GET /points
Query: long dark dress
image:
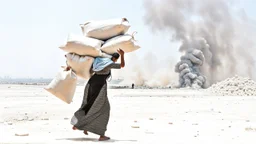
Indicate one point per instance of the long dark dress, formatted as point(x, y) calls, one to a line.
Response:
point(93, 115)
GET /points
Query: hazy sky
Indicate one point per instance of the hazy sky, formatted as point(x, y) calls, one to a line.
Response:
point(32, 30)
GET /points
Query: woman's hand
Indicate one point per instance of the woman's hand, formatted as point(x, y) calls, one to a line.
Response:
point(67, 68)
point(120, 51)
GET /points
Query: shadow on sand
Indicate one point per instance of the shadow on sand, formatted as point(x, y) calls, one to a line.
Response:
point(94, 140)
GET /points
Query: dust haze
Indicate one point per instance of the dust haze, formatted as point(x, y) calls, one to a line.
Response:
point(216, 39)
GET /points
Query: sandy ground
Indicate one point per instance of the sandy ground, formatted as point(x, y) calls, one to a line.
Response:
point(137, 116)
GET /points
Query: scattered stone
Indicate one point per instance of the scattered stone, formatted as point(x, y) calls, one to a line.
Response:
point(151, 119)
point(25, 134)
point(170, 123)
point(9, 123)
point(20, 119)
point(250, 129)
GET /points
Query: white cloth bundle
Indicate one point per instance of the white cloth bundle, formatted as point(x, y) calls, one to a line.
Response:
point(63, 86)
point(82, 45)
point(105, 29)
point(125, 42)
point(81, 65)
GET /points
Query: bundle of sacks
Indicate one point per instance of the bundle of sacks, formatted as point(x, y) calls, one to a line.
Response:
point(99, 39)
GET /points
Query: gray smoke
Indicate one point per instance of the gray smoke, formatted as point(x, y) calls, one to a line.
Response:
point(189, 69)
point(216, 38)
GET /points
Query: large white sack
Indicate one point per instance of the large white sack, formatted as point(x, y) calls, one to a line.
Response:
point(105, 55)
point(81, 65)
point(63, 86)
point(125, 42)
point(105, 29)
point(82, 45)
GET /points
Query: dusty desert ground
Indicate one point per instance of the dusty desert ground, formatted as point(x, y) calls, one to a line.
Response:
point(137, 116)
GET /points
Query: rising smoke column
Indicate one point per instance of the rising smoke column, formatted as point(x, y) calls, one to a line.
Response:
point(189, 69)
point(210, 28)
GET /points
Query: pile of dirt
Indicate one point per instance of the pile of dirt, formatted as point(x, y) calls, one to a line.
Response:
point(235, 86)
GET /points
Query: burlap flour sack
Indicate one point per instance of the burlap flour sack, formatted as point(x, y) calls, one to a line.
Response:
point(105, 29)
point(125, 42)
point(82, 45)
point(63, 86)
point(81, 65)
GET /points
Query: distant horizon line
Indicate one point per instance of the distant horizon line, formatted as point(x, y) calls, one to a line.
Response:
point(34, 78)
point(9, 77)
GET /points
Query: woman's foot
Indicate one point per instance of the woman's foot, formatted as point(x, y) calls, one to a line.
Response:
point(74, 128)
point(85, 132)
point(103, 138)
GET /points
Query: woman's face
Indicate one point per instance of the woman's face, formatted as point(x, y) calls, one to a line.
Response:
point(114, 59)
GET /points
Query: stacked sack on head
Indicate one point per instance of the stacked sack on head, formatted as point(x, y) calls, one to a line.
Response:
point(100, 39)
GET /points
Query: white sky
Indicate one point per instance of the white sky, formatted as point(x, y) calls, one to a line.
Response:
point(32, 30)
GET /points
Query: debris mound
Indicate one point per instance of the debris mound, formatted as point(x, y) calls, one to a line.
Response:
point(235, 86)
